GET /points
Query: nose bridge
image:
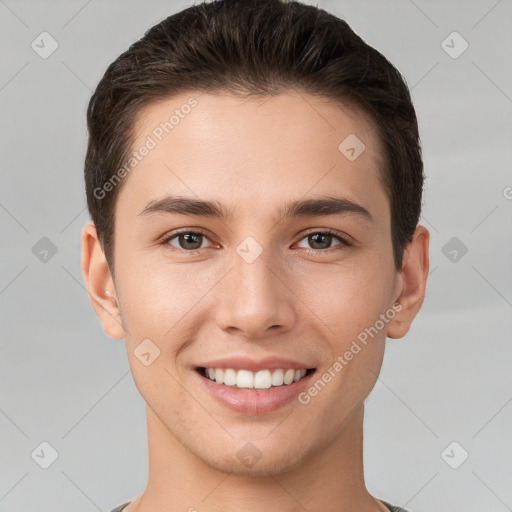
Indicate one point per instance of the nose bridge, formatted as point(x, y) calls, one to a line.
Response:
point(253, 298)
point(253, 275)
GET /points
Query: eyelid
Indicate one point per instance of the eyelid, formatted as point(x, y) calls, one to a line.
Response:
point(347, 239)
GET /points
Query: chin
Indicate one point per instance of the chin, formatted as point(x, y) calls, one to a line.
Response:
point(249, 461)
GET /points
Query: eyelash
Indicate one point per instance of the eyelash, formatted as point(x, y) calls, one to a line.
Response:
point(344, 242)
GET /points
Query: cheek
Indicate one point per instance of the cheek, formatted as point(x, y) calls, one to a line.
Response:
point(347, 298)
point(154, 303)
point(161, 302)
point(350, 303)
point(143, 297)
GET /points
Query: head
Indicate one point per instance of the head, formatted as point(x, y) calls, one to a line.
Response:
point(262, 112)
point(252, 48)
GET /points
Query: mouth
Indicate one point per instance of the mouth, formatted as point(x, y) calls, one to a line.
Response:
point(254, 393)
point(261, 380)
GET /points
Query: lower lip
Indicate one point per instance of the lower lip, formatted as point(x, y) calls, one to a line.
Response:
point(252, 401)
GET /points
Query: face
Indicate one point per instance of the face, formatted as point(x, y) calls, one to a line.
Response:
point(261, 282)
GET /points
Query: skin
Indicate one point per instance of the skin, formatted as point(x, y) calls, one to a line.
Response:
point(253, 155)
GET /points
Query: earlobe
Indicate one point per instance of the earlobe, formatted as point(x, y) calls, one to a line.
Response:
point(412, 280)
point(100, 286)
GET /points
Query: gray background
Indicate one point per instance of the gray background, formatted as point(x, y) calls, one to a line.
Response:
point(63, 381)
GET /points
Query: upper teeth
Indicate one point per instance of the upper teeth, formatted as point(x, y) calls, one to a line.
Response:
point(262, 379)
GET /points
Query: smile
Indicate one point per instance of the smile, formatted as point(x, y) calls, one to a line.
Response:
point(247, 392)
point(246, 379)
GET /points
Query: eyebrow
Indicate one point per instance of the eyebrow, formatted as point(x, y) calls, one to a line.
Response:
point(314, 207)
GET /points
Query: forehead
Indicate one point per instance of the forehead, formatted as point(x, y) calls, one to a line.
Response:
point(247, 151)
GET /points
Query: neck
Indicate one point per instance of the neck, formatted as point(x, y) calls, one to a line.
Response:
point(330, 479)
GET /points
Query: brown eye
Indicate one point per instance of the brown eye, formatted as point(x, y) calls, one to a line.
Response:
point(322, 241)
point(186, 240)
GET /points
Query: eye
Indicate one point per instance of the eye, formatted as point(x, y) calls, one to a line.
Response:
point(322, 240)
point(189, 241)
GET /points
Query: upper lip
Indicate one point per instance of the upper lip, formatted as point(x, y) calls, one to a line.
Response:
point(248, 363)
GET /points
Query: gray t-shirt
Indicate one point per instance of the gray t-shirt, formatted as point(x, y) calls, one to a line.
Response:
point(392, 508)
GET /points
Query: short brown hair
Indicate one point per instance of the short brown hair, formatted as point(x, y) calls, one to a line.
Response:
point(254, 47)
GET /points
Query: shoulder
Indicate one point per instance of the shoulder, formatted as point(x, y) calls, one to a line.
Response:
point(392, 508)
point(120, 507)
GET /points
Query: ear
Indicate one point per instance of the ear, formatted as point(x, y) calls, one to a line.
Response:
point(411, 283)
point(100, 285)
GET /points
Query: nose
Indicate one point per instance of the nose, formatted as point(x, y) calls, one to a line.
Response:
point(255, 300)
